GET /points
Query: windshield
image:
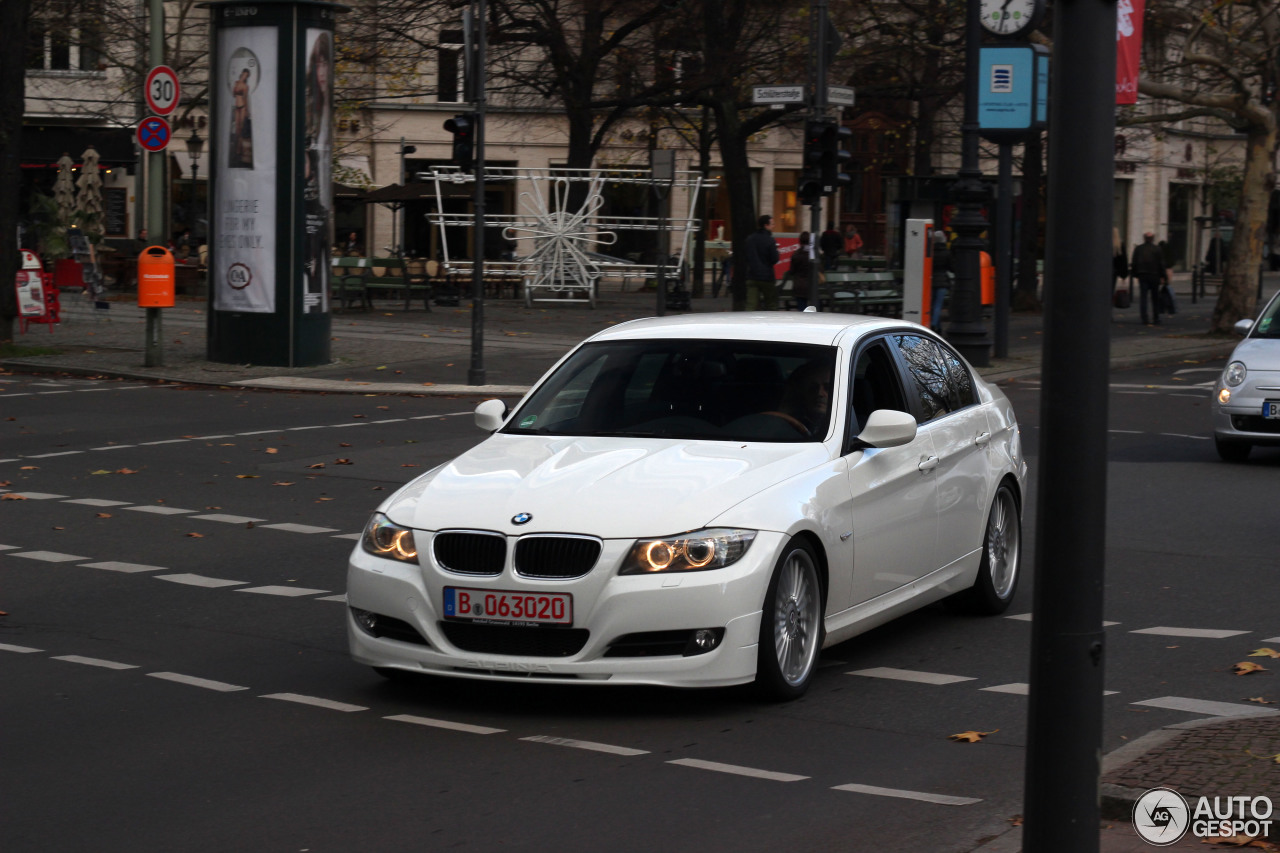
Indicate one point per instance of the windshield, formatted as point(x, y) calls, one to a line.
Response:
point(1268, 325)
point(689, 389)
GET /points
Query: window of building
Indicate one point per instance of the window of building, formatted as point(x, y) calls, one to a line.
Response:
point(66, 36)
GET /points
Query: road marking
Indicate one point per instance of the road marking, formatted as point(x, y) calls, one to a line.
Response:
point(285, 591)
point(95, 502)
point(115, 447)
point(1026, 617)
point(229, 519)
point(259, 432)
point(51, 455)
point(164, 441)
point(342, 426)
point(389, 421)
point(342, 598)
point(1204, 633)
point(351, 536)
point(586, 744)
point(160, 510)
point(113, 566)
point(199, 580)
point(1272, 640)
point(940, 799)
point(105, 664)
point(298, 528)
point(314, 701)
point(738, 771)
point(9, 547)
point(22, 650)
point(37, 496)
point(1020, 688)
point(220, 686)
point(209, 437)
point(910, 675)
point(444, 724)
point(49, 556)
point(1204, 706)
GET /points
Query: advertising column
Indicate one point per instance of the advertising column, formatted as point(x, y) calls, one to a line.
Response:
point(271, 104)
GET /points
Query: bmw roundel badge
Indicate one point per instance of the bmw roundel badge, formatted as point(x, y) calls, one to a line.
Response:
point(521, 518)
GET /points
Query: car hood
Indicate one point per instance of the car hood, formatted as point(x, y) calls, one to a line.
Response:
point(606, 487)
point(1258, 353)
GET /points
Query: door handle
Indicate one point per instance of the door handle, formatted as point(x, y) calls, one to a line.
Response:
point(982, 439)
point(927, 464)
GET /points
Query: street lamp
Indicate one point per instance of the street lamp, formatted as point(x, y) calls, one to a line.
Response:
point(195, 147)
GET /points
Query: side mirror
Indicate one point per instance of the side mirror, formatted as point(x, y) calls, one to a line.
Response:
point(887, 428)
point(490, 414)
point(1242, 327)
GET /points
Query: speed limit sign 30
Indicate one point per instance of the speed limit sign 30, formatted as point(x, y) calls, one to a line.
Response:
point(162, 90)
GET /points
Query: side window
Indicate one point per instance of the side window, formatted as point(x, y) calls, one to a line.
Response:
point(942, 382)
point(875, 385)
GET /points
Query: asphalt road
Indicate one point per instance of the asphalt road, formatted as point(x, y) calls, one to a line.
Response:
point(177, 678)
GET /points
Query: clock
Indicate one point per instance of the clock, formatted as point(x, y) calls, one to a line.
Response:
point(1010, 17)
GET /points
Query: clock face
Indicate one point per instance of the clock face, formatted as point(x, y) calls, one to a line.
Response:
point(1008, 17)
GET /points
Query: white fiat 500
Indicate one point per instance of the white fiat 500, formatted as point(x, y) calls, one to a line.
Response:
point(700, 501)
point(1246, 401)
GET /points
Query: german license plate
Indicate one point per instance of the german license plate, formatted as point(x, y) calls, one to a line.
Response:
point(1271, 410)
point(504, 607)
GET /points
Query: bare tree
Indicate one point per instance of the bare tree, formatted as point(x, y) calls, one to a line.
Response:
point(1221, 61)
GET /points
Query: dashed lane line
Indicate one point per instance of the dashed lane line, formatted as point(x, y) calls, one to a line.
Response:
point(315, 701)
point(911, 675)
point(228, 519)
point(297, 528)
point(51, 455)
point(21, 650)
point(128, 568)
point(105, 664)
point(95, 502)
point(588, 745)
point(443, 724)
point(283, 591)
point(737, 770)
point(1020, 688)
point(199, 580)
point(49, 557)
point(207, 684)
point(922, 796)
point(37, 496)
point(1207, 707)
point(160, 510)
point(1205, 633)
point(1026, 617)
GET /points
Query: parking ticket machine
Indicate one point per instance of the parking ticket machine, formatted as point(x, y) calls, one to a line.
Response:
point(917, 272)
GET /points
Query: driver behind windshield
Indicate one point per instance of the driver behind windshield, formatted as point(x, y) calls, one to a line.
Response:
point(806, 399)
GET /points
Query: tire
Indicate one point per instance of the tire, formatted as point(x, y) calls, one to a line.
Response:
point(791, 627)
point(1232, 451)
point(998, 572)
point(399, 676)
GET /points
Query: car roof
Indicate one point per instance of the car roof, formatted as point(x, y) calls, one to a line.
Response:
point(798, 327)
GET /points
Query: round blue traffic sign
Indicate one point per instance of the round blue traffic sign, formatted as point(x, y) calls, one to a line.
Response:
point(154, 133)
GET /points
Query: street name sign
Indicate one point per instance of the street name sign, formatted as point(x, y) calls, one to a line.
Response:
point(840, 96)
point(777, 94)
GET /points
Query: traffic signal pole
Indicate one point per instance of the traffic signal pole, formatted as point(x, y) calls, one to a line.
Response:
point(153, 352)
point(476, 372)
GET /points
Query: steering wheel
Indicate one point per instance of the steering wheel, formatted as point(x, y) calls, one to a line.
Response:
point(801, 428)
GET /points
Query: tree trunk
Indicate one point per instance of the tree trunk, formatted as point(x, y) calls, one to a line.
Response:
point(737, 178)
point(14, 15)
point(1238, 297)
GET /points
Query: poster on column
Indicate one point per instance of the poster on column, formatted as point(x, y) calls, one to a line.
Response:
point(244, 276)
point(318, 185)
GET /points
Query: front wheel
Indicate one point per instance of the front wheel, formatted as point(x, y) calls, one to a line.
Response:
point(997, 578)
point(791, 627)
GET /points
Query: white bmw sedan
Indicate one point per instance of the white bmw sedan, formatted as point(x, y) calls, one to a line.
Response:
point(699, 501)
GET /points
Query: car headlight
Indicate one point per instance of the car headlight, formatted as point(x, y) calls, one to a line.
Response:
point(1234, 374)
point(382, 538)
point(688, 552)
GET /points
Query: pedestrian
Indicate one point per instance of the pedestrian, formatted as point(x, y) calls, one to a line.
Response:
point(802, 271)
point(140, 245)
point(1147, 265)
point(1119, 264)
point(832, 244)
point(761, 252)
point(352, 248)
point(940, 284)
point(852, 240)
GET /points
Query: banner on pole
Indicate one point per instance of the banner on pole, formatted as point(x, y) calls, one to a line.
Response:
point(1128, 49)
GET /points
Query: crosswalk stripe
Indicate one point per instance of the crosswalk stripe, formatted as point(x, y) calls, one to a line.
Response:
point(1204, 633)
point(911, 675)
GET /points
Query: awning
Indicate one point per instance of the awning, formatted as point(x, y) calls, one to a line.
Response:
point(43, 144)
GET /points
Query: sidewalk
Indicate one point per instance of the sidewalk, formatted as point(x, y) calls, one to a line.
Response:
point(391, 351)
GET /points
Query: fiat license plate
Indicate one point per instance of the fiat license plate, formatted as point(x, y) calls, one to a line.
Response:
point(505, 607)
point(1271, 410)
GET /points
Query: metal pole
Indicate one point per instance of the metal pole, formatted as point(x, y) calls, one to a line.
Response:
point(476, 372)
point(966, 330)
point(1064, 725)
point(157, 230)
point(818, 48)
point(1004, 249)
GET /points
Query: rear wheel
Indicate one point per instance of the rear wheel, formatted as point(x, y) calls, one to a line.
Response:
point(997, 579)
point(791, 625)
point(1232, 451)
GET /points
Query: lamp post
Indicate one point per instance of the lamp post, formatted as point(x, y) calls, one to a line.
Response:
point(400, 227)
point(195, 147)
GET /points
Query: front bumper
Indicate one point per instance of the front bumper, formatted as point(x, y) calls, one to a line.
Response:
point(1240, 420)
point(606, 606)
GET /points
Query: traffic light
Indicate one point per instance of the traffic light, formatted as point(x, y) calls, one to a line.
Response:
point(825, 155)
point(463, 128)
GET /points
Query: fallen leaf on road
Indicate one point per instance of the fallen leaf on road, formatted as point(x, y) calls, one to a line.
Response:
point(1264, 653)
point(317, 465)
point(99, 471)
point(247, 476)
point(344, 444)
point(196, 535)
point(12, 498)
point(971, 737)
point(343, 462)
point(59, 528)
point(282, 483)
point(103, 515)
point(1260, 700)
point(318, 500)
point(272, 450)
point(383, 366)
point(357, 416)
point(409, 465)
point(126, 471)
point(29, 468)
point(1246, 667)
point(248, 525)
